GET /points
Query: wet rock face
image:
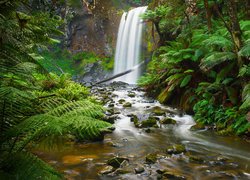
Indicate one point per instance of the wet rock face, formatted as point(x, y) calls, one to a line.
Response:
point(93, 28)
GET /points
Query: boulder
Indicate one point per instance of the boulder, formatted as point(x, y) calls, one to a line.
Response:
point(168, 121)
point(121, 101)
point(150, 122)
point(151, 158)
point(131, 94)
point(133, 118)
point(158, 111)
point(198, 126)
point(127, 104)
point(176, 149)
point(107, 170)
point(140, 169)
point(110, 119)
point(116, 162)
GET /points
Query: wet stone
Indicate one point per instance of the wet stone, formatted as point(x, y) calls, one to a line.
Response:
point(116, 162)
point(196, 159)
point(140, 169)
point(148, 130)
point(168, 121)
point(158, 111)
point(121, 101)
point(127, 104)
point(171, 175)
point(176, 149)
point(151, 158)
point(131, 94)
point(133, 118)
point(198, 126)
point(111, 105)
point(110, 119)
point(106, 170)
point(150, 122)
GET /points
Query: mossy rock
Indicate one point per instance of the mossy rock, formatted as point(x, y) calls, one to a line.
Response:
point(116, 161)
point(195, 159)
point(198, 126)
point(226, 132)
point(171, 175)
point(110, 119)
point(158, 111)
point(111, 105)
point(176, 149)
point(111, 111)
point(131, 94)
point(150, 122)
point(121, 101)
point(133, 118)
point(151, 158)
point(106, 170)
point(168, 121)
point(136, 123)
point(123, 171)
point(127, 104)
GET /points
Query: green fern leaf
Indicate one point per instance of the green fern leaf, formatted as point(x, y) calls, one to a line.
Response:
point(245, 50)
point(185, 81)
point(215, 59)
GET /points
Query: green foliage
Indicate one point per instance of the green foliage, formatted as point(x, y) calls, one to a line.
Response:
point(200, 65)
point(246, 97)
point(37, 106)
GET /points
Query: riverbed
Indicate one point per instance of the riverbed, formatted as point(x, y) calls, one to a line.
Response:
point(206, 156)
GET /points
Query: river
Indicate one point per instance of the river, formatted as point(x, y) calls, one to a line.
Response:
point(207, 156)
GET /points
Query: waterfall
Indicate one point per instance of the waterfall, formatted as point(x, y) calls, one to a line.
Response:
point(128, 45)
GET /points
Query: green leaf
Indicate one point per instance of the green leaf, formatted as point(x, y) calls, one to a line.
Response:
point(215, 59)
point(186, 80)
point(245, 50)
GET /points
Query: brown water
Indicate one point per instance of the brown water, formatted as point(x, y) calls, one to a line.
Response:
point(222, 157)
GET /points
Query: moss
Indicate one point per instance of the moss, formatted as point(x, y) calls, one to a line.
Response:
point(127, 104)
point(148, 123)
point(176, 149)
point(121, 101)
point(198, 126)
point(226, 132)
point(151, 158)
point(158, 111)
point(168, 121)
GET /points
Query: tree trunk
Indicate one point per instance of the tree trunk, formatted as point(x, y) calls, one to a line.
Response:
point(235, 29)
point(208, 15)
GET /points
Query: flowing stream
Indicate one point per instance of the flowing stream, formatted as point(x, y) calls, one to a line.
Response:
point(208, 155)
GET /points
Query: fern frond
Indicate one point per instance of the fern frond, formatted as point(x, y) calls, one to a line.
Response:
point(245, 50)
point(246, 97)
point(83, 107)
point(215, 59)
point(26, 166)
point(218, 40)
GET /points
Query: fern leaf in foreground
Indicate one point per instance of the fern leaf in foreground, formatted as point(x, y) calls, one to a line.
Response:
point(26, 166)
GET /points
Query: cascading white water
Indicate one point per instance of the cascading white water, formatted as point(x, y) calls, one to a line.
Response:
point(128, 45)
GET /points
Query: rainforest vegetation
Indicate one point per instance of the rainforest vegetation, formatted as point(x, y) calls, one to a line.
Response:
point(201, 65)
point(203, 56)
